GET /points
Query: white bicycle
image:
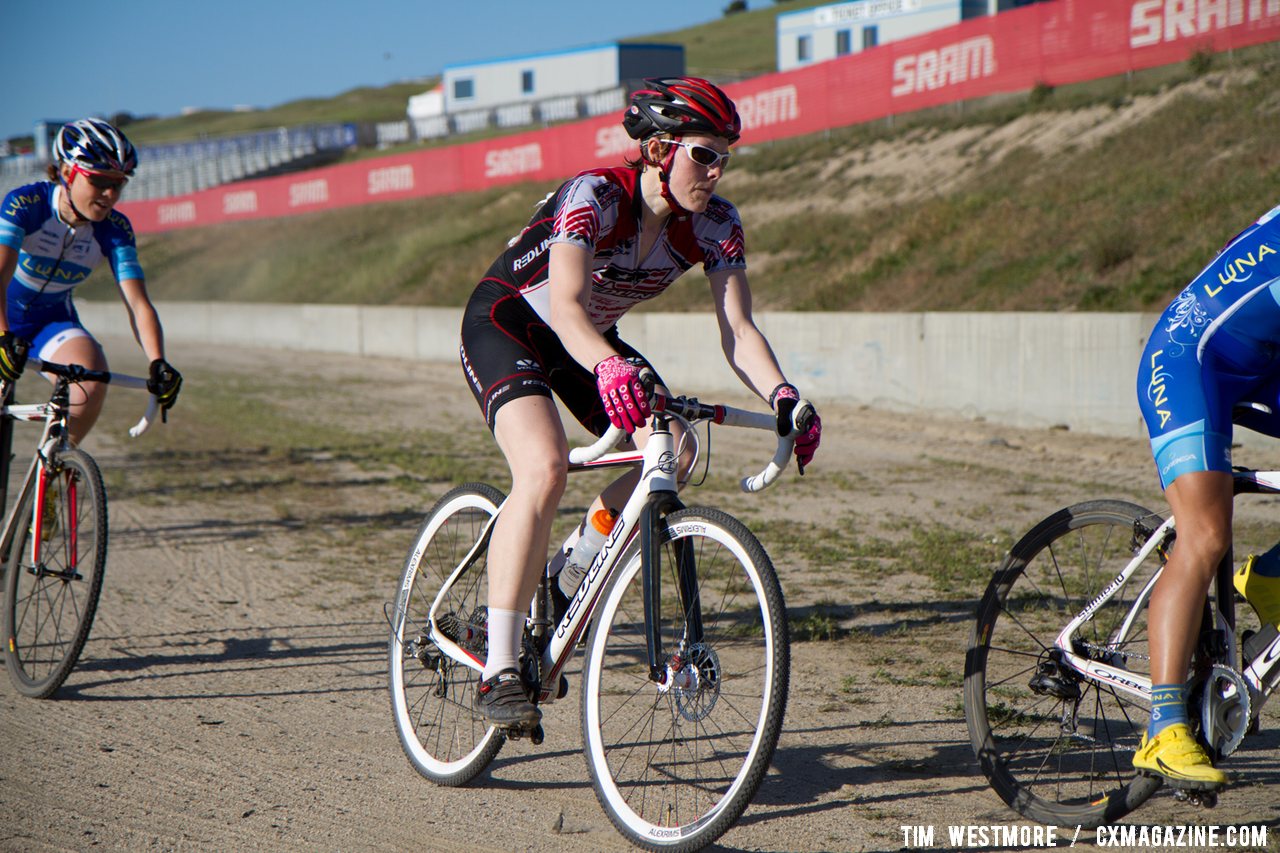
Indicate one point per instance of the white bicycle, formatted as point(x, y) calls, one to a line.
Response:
point(687, 652)
point(1058, 673)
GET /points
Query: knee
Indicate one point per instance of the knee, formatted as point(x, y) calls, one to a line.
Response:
point(543, 478)
point(1204, 549)
point(88, 395)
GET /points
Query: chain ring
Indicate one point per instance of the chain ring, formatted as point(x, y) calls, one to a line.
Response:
point(1225, 712)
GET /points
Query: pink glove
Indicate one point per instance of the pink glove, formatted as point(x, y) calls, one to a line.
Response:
point(624, 398)
point(784, 399)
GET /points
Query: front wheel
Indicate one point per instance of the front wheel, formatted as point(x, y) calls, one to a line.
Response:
point(433, 695)
point(1058, 747)
point(54, 574)
point(675, 763)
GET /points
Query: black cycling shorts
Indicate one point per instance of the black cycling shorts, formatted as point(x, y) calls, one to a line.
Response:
point(508, 351)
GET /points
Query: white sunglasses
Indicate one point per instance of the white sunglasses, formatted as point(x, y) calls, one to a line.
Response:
point(702, 155)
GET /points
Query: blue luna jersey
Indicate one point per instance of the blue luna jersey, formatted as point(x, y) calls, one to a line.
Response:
point(53, 257)
point(1217, 344)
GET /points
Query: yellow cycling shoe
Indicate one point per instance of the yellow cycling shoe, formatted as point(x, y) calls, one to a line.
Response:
point(1178, 758)
point(1263, 593)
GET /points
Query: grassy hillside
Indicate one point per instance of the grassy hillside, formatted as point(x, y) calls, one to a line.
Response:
point(385, 103)
point(1105, 196)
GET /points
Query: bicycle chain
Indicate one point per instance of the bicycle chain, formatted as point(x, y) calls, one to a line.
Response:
point(1108, 650)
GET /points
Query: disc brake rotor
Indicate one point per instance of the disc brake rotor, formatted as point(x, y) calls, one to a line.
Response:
point(694, 685)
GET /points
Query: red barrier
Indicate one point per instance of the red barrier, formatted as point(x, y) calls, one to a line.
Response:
point(1067, 41)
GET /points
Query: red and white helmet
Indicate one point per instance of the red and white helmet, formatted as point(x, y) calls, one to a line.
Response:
point(679, 106)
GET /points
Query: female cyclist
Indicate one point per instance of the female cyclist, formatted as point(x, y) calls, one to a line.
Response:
point(52, 234)
point(1217, 344)
point(544, 320)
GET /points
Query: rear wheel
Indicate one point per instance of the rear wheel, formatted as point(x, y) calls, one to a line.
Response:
point(54, 575)
point(1056, 747)
point(433, 695)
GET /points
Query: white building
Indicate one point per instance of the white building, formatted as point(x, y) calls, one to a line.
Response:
point(541, 76)
point(828, 32)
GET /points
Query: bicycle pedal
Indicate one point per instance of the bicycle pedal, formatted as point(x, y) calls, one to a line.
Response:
point(1191, 797)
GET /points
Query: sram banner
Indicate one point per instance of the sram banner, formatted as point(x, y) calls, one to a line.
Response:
point(1067, 41)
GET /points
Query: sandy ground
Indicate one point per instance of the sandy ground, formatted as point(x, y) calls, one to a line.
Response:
point(233, 693)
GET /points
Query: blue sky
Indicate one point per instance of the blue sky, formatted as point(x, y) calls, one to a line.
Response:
point(72, 59)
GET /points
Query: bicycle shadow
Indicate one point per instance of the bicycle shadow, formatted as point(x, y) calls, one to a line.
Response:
point(879, 618)
point(225, 530)
point(804, 778)
point(807, 775)
point(230, 472)
point(152, 659)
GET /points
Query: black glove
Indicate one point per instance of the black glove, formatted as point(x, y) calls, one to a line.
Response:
point(784, 400)
point(165, 382)
point(13, 356)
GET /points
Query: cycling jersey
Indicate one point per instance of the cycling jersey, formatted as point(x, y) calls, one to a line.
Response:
point(508, 348)
point(1217, 344)
point(599, 210)
point(54, 257)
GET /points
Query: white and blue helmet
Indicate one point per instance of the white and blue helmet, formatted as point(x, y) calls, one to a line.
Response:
point(95, 145)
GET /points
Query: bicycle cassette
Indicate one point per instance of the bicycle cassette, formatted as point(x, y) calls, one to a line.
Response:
point(1226, 707)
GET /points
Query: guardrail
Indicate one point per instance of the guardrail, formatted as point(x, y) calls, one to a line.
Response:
point(186, 167)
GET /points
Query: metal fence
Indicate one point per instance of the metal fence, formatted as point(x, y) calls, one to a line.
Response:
point(185, 167)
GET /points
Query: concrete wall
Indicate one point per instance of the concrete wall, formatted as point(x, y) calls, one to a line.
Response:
point(1022, 369)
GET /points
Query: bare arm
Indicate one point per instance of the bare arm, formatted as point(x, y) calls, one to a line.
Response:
point(143, 317)
point(745, 348)
point(8, 264)
point(570, 283)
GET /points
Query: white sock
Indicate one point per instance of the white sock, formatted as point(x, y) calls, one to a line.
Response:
point(506, 627)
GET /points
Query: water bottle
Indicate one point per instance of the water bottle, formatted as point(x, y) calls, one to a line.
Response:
point(595, 530)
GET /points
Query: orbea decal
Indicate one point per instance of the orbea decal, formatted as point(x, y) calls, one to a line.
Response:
point(176, 214)
point(309, 192)
point(772, 106)
point(504, 162)
point(971, 59)
point(392, 179)
point(241, 201)
point(1155, 21)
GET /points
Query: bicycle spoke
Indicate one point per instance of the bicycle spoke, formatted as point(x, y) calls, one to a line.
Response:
point(1053, 743)
point(689, 752)
point(51, 592)
point(431, 695)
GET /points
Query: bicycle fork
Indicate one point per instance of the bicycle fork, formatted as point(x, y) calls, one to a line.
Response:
point(653, 527)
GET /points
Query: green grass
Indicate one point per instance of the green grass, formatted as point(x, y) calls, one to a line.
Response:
point(364, 104)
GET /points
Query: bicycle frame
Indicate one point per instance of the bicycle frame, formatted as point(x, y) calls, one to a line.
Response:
point(54, 413)
point(1262, 674)
point(52, 438)
point(654, 497)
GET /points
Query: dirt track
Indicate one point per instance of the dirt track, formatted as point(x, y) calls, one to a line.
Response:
point(232, 695)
